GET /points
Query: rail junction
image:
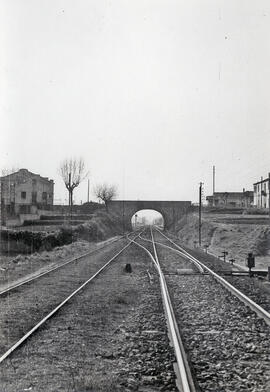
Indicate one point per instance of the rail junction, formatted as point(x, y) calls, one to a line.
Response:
point(219, 336)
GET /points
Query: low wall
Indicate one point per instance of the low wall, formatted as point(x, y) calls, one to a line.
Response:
point(22, 241)
point(24, 217)
point(12, 222)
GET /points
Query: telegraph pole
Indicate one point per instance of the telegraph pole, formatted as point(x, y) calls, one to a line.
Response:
point(214, 179)
point(200, 214)
point(69, 195)
point(214, 183)
point(261, 191)
point(269, 193)
point(123, 216)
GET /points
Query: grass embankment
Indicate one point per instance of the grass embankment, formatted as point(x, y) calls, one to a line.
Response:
point(26, 252)
point(237, 235)
point(100, 227)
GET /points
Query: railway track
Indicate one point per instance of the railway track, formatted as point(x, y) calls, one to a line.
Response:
point(254, 288)
point(183, 373)
point(232, 289)
point(226, 335)
point(76, 342)
point(219, 343)
point(12, 285)
point(191, 262)
point(28, 305)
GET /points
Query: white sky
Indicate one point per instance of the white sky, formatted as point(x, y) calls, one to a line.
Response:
point(150, 216)
point(151, 93)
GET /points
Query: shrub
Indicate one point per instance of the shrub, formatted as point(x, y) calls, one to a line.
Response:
point(101, 226)
point(66, 235)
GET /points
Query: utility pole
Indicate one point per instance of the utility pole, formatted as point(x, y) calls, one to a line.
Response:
point(269, 193)
point(123, 216)
point(200, 214)
point(214, 184)
point(261, 191)
point(214, 179)
point(69, 195)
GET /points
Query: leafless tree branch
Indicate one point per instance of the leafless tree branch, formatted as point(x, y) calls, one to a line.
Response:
point(73, 173)
point(105, 193)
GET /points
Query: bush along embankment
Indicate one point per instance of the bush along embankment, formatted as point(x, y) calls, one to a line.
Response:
point(236, 239)
point(100, 227)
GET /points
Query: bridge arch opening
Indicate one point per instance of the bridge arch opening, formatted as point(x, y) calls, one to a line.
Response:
point(147, 217)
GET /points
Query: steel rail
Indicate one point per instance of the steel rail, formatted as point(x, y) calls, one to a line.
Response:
point(185, 381)
point(48, 271)
point(55, 310)
point(195, 262)
point(241, 296)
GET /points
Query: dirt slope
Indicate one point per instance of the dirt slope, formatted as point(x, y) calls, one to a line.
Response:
point(236, 238)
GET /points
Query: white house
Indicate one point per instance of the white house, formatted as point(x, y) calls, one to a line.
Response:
point(261, 193)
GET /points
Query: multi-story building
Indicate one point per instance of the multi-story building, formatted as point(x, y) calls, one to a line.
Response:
point(231, 199)
point(23, 192)
point(261, 193)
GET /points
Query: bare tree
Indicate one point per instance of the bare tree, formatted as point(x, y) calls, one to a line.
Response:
point(73, 173)
point(225, 197)
point(105, 193)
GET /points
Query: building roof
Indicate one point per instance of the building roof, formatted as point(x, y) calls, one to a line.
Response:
point(260, 182)
point(24, 173)
point(232, 194)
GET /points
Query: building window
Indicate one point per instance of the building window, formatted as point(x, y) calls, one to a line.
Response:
point(44, 195)
point(23, 195)
point(34, 197)
point(34, 182)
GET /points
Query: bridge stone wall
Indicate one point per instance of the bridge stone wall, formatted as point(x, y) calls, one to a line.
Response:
point(171, 211)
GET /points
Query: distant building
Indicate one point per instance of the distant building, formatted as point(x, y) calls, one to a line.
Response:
point(23, 192)
point(231, 199)
point(261, 193)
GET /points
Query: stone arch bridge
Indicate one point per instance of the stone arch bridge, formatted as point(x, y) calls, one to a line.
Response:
point(171, 211)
